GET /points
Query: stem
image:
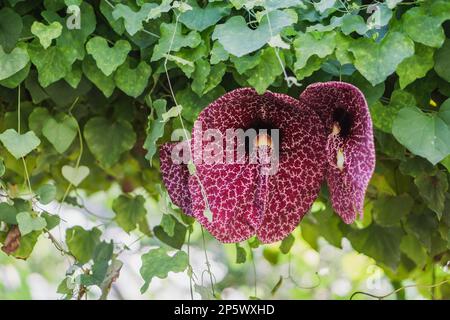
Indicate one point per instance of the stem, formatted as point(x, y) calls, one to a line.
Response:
point(254, 271)
point(208, 265)
point(191, 291)
point(398, 290)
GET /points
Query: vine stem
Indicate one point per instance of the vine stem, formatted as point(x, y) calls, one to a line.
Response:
point(432, 286)
point(277, 54)
point(27, 176)
point(191, 291)
point(255, 280)
point(77, 164)
point(208, 265)
point(202, 189)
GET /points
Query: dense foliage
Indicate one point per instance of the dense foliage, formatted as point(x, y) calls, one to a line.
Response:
point(89, 89)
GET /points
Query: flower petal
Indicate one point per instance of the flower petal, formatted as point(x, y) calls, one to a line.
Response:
point(229, 188)
point(175, 178)
point(351, 157)
point(292, 190)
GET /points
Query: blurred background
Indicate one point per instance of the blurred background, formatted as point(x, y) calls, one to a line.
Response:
point(304, 273)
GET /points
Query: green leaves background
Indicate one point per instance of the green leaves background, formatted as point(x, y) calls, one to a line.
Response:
point(114, 66)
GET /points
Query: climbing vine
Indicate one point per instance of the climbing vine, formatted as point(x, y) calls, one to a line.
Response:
point(90, 89)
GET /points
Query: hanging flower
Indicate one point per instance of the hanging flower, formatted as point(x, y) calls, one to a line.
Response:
point(350, 147)
point(243, 199)
point(326, 133)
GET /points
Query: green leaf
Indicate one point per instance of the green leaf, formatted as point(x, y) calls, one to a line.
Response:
point(102, 255)
point(215, 77)
point(389, 210)
point(241, 254)
point(108, 140)
point(129, 211)
point(353, 23)
point(8, 213)
point(426, 135)
point(424, 24)
point(200, 76)
point(28, 223)
point(108, 59)
point(267, 70)
point(2, 167)
point(60, 132)
point(155, 129)
point(46, 193)
point(51, 219)
point(133, 81)
point(382, 244)
point(10, 28)
point(173, 40)
point(376, 61)
point(117, 25)
point(27, 244)
point(157, 263)
point(73, 78)
point(218, 53)
point(416, 66)
point(441, 58)
point(423, 226)
point(133, 20)
point(19, 145)
point(414, 250)
point(16, 79)
point(383, 116)
point(82, 243)
point(307, 45)
point(179, 234)
point(46, 33)
point(71, 43)
point(75, 175)
point(324, 5)
point(287, 244)
point(37, 119)
point(250, 40)
point(193, 104)
point(52, 64)
point(201, 18)
point(12, 63)
point(433, 190)
point(168, 224)
point(156, 12)
point(172, 113)
point(105, 83)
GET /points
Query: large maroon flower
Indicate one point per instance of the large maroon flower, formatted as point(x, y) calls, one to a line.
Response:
point(328, 131)
point(243, 201)
point(350, 147)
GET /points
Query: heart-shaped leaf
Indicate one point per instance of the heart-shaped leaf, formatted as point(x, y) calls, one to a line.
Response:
point(46, 33)
point(426, 135)
point(19, 145)
point(46, 193)
point(13, 62)
point(108, 140)
point(250, 40)
point(133, 81)
point(60, 133)
point(28, 223)
point(75, 175)
point(108, 59)
point(10, 28)
point(376, 61)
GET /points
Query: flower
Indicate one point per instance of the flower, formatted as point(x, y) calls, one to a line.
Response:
point(242, 200)
point(350, 146)
point(327, 133)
